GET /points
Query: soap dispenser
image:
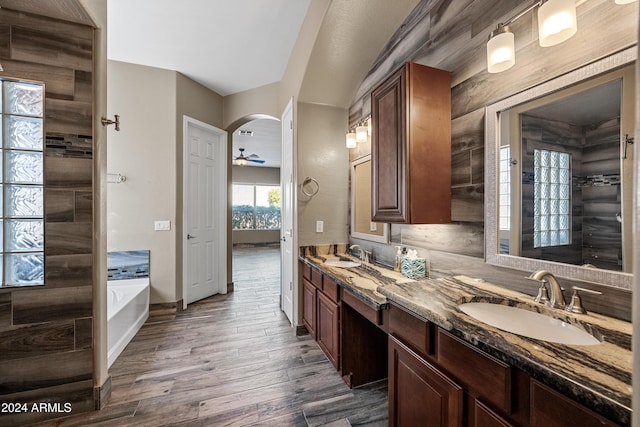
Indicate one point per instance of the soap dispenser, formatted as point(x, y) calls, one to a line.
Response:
point(398, 261)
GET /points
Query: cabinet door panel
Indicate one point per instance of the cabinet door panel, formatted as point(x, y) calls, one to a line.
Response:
point(388, 150)
point(485, 417)
point(552, 409)
point(419, 394)
point(309, 307)
point(328, 328)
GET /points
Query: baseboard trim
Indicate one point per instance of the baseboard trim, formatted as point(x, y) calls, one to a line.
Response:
point(102, 393)
point(164, 311)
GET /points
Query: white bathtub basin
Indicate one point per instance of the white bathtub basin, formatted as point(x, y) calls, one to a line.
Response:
point(528, 323)
point(343, 264)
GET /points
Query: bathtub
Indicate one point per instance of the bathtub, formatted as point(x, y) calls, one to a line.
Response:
point(127, 310)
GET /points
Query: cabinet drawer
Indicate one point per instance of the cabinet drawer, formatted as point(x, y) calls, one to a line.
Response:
point(316, 278)
point(485, 417)
point(331, 289)
point(306, 271)
point(480, 373)
point(414, 332)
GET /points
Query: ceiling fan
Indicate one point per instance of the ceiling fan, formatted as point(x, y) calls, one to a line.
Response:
point(242, 160)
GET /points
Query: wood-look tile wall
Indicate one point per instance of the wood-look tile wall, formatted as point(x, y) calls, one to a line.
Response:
point(452, 35)
point(46, 332)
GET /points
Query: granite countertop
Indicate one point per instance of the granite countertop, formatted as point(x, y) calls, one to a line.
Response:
point(597, 376)
point(363, 281)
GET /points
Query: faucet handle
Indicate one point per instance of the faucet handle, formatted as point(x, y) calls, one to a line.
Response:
point(543, 293)
point(575, 306)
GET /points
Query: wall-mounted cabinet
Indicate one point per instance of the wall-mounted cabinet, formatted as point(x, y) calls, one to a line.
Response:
point(411, 146)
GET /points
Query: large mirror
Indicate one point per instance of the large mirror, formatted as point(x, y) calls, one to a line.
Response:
point(559, 175)
point(361, 225)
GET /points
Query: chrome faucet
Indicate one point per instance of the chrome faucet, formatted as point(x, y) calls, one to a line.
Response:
point(557, 298)
point(364, 256)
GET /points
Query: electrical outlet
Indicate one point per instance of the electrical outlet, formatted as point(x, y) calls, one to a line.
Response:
point(162, 225)
point(373, 226)
point(319, 226)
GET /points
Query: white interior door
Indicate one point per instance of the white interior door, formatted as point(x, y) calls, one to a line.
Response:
point(204, 211)
point(287, 243)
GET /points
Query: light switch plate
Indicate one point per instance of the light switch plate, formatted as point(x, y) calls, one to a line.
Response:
point(319, 226)
point(162, 225)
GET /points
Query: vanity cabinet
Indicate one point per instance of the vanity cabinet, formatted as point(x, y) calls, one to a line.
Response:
point(411, 146)
point(321, 311)
point(437, 379)
point(448, 383)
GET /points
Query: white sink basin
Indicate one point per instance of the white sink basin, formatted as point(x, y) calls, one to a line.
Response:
point(528, 323)
point(343, 264)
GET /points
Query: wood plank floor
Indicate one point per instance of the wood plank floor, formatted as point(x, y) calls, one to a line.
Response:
point(232, 360)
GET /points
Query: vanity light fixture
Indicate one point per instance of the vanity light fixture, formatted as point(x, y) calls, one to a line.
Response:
point(557, 22)
point(362, 133)
point(501, 51)
point(351, 140)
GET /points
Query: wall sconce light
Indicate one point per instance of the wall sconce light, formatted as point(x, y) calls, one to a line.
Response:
point(501, 50)
point(351, 140)
point(362, 133)
point(557, 22)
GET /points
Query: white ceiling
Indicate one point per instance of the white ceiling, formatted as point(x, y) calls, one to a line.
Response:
point(228, 46)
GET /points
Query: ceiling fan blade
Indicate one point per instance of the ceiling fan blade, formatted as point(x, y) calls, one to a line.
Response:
point(252, 156)
point(255, 161)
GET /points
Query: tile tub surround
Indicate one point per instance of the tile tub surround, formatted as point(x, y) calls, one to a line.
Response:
point(596, 376)
point(123, 265)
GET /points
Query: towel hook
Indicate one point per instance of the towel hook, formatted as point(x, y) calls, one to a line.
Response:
point(312, 193)
point(107, 122)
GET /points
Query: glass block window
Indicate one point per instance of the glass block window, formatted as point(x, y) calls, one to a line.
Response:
point(22, 183)
point(505, 189)
point(551, 198)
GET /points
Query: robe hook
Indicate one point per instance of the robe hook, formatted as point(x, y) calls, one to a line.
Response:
point(107, 122)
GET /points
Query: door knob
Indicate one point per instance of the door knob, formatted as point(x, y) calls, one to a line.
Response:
point(189, 236)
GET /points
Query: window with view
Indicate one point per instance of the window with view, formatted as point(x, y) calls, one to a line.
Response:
point(255, 207)
point(552, 198)
point(22, 195)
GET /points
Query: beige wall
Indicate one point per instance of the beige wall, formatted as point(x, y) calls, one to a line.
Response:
point(148, 151)
point(323, 156)
point(144, 151)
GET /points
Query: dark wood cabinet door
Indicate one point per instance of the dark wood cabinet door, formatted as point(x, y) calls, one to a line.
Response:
point(419, 394)
point(388, 150)
point(309, 307)
point(411, 147)
point(485, 417)
point(328, 328)
point(552, 409)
